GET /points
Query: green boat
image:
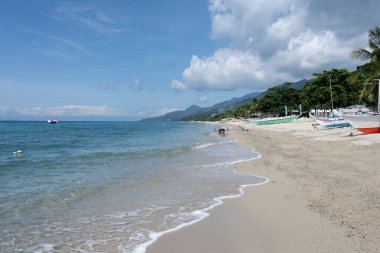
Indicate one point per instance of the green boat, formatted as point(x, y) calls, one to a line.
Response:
point(278, 120)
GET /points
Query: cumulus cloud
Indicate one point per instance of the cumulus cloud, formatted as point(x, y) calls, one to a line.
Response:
point(226, 70)
point(69, 110)
point(276, 41)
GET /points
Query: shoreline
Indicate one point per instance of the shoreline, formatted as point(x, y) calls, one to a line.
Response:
point(204, 213)
point(303, 208)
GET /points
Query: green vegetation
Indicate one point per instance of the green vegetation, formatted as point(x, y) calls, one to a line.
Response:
point(316, 92)
point(371, 70)
point(277, 97)
point(348, 88)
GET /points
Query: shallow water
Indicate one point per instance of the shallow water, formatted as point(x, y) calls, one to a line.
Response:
point(107, 186)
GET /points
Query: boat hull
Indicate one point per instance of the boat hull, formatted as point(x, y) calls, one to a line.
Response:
point(365, 124)
point(275, 120)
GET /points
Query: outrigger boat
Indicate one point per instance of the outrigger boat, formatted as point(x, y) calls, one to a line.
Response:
point(367, 123)
point(331, 122)
point(278, 120)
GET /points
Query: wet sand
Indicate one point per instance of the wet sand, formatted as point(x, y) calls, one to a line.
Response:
point(323, 196)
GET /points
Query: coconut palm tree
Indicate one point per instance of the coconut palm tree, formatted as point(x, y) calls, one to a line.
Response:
point(370, 70)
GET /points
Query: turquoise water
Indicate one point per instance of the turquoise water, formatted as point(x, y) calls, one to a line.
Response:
point(107, 186)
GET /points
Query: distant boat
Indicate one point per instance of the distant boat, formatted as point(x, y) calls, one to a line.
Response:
point(353, 109)
point(365, 123)
point(277, 120)
point(54, 121)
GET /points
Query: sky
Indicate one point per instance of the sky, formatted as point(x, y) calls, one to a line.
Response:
point(127, 59)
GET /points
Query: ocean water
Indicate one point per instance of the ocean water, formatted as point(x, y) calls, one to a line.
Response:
point(110, 186)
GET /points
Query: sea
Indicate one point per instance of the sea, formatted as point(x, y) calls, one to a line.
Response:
point(111, 186)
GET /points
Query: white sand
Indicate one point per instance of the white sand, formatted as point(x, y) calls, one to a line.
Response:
point(324, 196)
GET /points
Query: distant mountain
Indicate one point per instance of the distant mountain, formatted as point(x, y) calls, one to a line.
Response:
point(178, 115)
point(198, 113)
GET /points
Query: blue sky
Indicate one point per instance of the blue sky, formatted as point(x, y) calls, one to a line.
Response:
point(134, 59)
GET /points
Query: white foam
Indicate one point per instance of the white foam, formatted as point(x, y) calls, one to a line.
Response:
point(203, 145)
point(45, 247)
point(233, 162)
point(199, 215)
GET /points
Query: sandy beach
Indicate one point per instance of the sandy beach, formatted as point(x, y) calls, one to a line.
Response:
point(323, 196)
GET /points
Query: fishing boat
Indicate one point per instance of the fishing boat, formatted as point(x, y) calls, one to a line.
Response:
point(331, 122)
point(277, 120)
point(352, 109)
point(367, 123)
point(334, 121)
point(53, 121)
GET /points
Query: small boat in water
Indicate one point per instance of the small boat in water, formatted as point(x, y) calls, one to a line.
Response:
point(54, 121)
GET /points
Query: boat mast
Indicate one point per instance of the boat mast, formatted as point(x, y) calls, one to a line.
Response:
point(331, 97)
point(378, 97)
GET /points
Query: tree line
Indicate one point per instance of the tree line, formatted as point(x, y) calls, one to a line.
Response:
point(347, 88)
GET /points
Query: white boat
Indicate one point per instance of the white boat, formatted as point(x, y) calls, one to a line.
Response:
point(368, 123)
point(276, 120)
point(331, 122)
point(352, 110)
point(365, 123)
point(54, 121)
point(334, 121)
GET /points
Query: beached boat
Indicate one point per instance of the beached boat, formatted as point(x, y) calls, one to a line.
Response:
point(365, 123)
point(277, 120)
point(368, 123)
point(352, 109)
point(331, 122)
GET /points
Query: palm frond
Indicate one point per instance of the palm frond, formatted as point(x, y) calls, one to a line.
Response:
point(374, 37)
point(361, 54)
point(373, 44)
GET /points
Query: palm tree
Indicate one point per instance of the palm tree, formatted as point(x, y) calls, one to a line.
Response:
point(370, 70)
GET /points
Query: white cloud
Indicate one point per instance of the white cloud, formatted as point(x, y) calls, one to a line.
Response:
point(160, 112)
point(177, 85)
point(89, 16)
point(69, 110)
point(276, 41)
point(57, 46)
point(227, 69)
point(203, 99)
point(166, 110)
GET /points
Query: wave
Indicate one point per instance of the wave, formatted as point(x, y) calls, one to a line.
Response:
point(203, 145)
point(199, 215)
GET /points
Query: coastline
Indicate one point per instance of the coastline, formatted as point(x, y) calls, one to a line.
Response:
point(320, 197)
